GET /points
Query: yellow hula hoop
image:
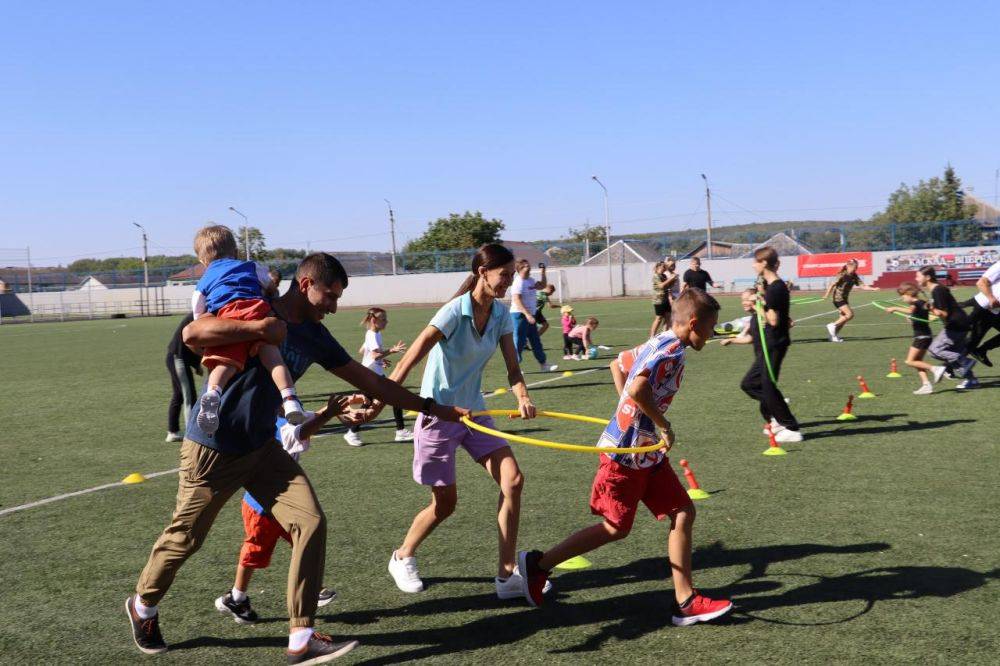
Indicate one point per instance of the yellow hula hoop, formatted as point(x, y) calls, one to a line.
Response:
point(579, 448)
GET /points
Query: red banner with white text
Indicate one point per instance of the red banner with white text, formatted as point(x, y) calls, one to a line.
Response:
point(828, 265)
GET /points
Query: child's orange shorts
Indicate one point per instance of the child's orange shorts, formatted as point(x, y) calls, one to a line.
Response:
point(618, 490)
point(262, 533)
point(236, 355)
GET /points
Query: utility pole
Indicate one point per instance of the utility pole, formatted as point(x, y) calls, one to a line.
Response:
point(607, 237)
point(708, 205)
point(392, 233)
point(586, 241)
point(246, 231)
point(145, 269)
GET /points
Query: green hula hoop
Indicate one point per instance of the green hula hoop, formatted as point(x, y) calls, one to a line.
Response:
point(900, 314)
point(763, 344)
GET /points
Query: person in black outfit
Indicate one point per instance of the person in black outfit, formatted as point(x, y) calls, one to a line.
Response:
point(696, 278)
point(757, 382)
point(181, 360)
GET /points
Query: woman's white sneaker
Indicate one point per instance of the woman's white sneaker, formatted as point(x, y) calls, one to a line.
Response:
point(404, 572)
point(353, 439)
point(925, 389)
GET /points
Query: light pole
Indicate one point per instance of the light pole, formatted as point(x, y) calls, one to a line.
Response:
point(392, 233)
point(145, 268)
point(708, 205)
point(246, 231)
point(607, 236)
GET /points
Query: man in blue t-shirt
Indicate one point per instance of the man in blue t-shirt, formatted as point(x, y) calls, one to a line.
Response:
point(243, 453)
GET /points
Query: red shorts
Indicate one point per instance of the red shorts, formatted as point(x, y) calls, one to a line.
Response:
point(262, 534)
point(618, 490)
point(236, 355)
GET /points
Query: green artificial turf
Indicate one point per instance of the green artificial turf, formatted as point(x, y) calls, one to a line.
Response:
point(872, 540)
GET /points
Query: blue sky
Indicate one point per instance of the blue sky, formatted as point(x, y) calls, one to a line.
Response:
point(307, 115)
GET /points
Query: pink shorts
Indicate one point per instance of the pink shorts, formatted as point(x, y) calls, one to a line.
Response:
point(435, 443)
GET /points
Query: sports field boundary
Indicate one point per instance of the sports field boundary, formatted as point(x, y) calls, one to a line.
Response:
point(153, 475)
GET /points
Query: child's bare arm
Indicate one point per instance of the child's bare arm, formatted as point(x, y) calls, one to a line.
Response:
point(336, 405)
point(617, 375)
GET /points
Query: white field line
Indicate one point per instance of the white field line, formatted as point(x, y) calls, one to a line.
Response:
point(56, 498)
point(151, 475)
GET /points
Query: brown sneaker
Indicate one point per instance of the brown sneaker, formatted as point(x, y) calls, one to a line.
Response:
point(319, 650)
point(145, 633)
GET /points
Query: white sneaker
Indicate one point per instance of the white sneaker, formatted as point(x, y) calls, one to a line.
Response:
point(208, 412)
point(404, 572)
point(925, 389)
point(404, 435)
point(787, 436)
point(775, 427)
point(545, 367)
point(294, 413)
point(969, 383)
point(512, 588)
point(568, 357)
point(938, 372)
point(174, 437)
point(832, 330)
point(353, 439)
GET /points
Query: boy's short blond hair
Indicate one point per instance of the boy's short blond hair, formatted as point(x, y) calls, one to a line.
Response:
point(215, 241)
point(695, 303)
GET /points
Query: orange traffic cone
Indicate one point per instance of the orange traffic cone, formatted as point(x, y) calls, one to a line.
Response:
point(694, 490)
point(774, 449)
point(848, 413)
point(893, 370)
point(865, 391)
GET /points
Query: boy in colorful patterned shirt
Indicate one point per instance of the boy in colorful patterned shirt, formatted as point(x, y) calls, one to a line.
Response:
point(652, 375)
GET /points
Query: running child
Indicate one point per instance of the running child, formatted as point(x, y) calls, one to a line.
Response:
point(758, 383)
point(568, 324)
point(261, 530)
point(234, 289)
point(623, 480)
point(950, 344)
point(666, 287)
point(841, 287)
point(916, 309)
point(376, 359)
point(543, 299)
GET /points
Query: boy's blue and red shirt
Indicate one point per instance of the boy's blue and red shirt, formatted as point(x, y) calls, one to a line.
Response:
point(228, 280)
point(661, 360)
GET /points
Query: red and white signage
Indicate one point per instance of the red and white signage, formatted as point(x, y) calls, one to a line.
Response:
point(828, 265)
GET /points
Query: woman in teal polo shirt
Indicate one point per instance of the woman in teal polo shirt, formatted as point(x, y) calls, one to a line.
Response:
point(458, 342)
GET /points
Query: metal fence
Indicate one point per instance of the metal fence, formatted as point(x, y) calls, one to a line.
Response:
point(853, 237)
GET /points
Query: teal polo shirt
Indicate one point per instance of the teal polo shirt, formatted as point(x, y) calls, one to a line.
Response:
point(454, 371)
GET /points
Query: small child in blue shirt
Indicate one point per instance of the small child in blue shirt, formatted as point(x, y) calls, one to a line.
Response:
point(234, 289)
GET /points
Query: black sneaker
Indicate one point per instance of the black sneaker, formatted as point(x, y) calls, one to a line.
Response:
point(241, 611)
point(320, 649)
point(981, 357)
point(533, 577)
point(326, 595)
point(145, 633)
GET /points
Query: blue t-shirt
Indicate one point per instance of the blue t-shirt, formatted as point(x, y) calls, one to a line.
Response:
point(250, 401)
point(454, 371)
point(228, 280)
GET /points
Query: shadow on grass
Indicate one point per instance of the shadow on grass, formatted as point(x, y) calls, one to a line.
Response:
point(871, 418)
point(633, 616)
point(983, 383)
point(909, 426)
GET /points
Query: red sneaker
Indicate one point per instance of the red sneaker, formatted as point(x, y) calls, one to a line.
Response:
point(699, 608)
point(533, 577)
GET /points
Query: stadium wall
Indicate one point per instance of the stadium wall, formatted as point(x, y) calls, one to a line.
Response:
point(572, 283)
